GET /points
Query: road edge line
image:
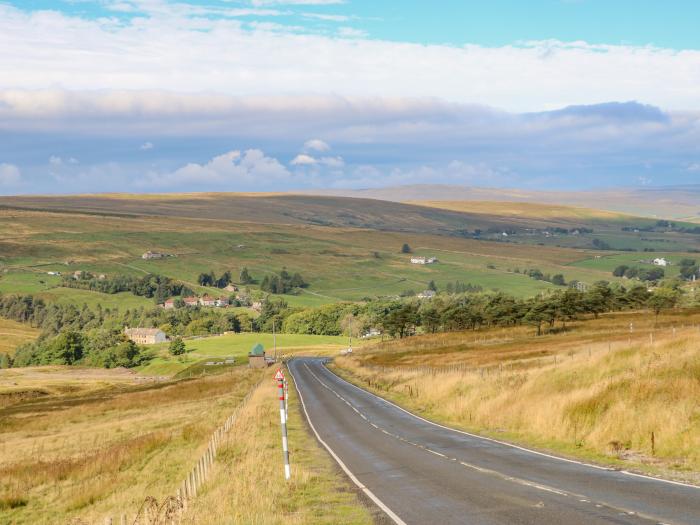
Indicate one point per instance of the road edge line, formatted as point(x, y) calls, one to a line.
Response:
point(347, 471)
point(513, 445)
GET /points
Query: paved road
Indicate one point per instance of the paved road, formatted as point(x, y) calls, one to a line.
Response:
point(422, 473)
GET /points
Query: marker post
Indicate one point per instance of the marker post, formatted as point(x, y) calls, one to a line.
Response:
point(279, 377)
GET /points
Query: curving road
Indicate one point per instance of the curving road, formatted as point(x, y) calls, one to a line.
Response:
point(422, 473)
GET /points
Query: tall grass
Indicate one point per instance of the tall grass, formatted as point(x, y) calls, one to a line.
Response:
point(589, 392)
point(100, 453)
point(248, 486)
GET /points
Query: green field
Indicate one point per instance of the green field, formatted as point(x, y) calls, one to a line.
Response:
point(347, 249)
point(236, 346)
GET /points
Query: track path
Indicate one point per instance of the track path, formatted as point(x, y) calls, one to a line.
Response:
point(422, 473)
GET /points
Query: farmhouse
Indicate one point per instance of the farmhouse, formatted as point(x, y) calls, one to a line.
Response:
point(191, 301)
point(221, 302)
point(154, 255)
point(207, 301)
point(423, 260)
point(426, 294)
point(145, 336)
point(231, 288)
point(169, 304)
point(661, 262)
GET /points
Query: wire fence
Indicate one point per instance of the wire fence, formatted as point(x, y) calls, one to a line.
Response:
point(172, 509)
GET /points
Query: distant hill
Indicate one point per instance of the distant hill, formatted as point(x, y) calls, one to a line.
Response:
point(335, 211)
point(673, 202)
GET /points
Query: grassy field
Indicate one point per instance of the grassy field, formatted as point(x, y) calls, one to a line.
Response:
point(248, 484)
point(238, 346)
point(597, 391)
point(90, 443)
point(340, 263)
point(13, 334)
point(97, 444)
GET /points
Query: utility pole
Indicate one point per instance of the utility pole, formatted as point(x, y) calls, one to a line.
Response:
point(274, 338)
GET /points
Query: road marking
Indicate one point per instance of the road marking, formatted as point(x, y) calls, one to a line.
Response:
point(505, 443)
point(505, 477)
point(347, 471)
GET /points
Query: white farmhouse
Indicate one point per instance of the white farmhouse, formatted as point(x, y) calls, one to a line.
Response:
point(661, 262)
point(423, 260)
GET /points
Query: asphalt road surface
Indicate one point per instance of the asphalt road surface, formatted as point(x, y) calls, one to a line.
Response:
point(418, 472)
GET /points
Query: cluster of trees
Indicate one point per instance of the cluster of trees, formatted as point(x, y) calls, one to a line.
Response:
point(210, 279)
point(643, 274)
point(459, 287)
point(688, 269)
point(282, 283)
point(107, 348)
point(100, 340)
point(537, 275)
point(159, 287)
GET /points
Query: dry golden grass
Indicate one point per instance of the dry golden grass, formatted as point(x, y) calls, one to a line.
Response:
point(13, 334)
point(248, 486)
point(596, 391)
point(99, 448)
point(528, 210)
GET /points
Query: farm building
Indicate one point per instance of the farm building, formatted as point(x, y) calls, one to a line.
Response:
point(661, 262)
point(221, 302)
point(231, 288)
point(426, 294)
point(145, 336)
point(191, 301)
point(169, 304)
point(256, 357)
point(423, 260)
point(154, 255)
point(207, 301)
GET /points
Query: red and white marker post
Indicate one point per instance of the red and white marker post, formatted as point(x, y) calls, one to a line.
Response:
point(281, 387)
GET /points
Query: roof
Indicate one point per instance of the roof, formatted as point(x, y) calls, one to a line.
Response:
point(257, 350)
point(143, 331)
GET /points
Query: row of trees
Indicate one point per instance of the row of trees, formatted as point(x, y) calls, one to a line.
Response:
point(71, 335)
point(159, 287)
point(226, 278)
point(283, 282)
point(643, 274)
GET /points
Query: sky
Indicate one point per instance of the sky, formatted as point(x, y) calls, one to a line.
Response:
point(274, 95)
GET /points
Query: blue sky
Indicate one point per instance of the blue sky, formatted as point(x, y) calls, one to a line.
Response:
point(151, 95)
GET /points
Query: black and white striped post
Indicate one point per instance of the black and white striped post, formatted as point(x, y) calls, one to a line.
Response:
point(279, 377)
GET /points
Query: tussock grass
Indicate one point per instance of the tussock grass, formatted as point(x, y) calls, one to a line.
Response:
point(96, 452)
point(248, 485)
point(596, 391)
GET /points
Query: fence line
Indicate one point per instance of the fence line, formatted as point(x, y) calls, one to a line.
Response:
point(172, 508)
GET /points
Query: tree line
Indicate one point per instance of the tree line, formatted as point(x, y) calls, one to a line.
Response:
point(72, 335)
point(159, 287)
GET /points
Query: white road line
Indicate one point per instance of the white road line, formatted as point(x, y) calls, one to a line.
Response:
point(347, 471)
point(518, 447)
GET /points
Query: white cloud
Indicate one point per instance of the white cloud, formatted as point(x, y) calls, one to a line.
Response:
point(232, 170)
point(99, 54)
point(332, 162)
point(10, 175)
point(146, 146)
point(316, 145)
point(326, 17)
point(352, 32)
point(303, 160)
point(694, 167)
point(295, 2)
point(73, 160)
point(55, 161)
